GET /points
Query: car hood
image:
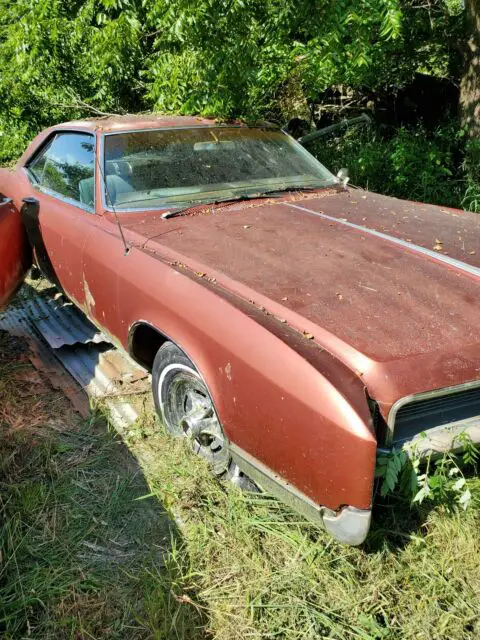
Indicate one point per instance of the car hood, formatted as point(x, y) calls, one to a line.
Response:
point(404, 320)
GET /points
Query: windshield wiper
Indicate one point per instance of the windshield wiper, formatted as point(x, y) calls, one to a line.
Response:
point(291, 188)
point(241, 196)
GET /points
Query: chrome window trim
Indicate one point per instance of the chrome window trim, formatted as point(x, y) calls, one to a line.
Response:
point(50, 192)
point(425, 395)
point(103, 135)
point(65, 199)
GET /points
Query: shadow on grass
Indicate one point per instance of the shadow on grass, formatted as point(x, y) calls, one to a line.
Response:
point(83, 552)
point(394, 522)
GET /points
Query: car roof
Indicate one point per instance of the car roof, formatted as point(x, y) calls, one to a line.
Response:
point(131, 122)
point(115, 123)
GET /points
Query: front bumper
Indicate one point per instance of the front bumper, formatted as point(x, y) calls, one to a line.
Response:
point(349, 525)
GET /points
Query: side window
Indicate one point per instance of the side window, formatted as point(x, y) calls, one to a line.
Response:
point(66, 166)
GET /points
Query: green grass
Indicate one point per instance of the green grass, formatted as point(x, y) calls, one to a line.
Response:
point(234, 565)
point(263, 572)
point(81, 555)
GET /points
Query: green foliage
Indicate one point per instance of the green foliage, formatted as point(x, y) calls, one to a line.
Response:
point(233, 57)
point(410, 164)
point(264, 572)
point(438, 478)
point(81, 555)
point(64, 59)
point(57, 55)
point(61, 59)
point(395, 470)
point(471, 168)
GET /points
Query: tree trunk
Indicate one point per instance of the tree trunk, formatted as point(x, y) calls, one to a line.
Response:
point(470, 85)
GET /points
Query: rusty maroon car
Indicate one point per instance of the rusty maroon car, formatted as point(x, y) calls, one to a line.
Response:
point(294, 327)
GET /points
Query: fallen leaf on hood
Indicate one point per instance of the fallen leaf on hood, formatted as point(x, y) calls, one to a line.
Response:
point(437, 241)
point(437, 247)
point(472, 253)
point(200, 274)
point(308, 336)
point(246, 226)
point(285, 298)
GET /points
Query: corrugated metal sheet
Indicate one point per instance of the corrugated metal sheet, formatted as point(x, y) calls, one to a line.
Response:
point(60, 322)
point(62, 340)
point(17, 322)
point(103, 372)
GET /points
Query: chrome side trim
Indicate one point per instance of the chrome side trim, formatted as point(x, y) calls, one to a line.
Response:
point(349, 525)
point(426, 395)
point(439, 257)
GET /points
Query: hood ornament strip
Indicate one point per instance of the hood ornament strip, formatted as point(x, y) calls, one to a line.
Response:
point(452, 262)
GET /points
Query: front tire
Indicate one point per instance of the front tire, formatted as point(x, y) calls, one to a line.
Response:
point(186, 408)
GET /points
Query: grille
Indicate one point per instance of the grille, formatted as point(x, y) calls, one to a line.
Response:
point(422, 415)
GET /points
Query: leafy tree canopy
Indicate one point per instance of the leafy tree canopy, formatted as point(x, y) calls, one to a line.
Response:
point(61, 58)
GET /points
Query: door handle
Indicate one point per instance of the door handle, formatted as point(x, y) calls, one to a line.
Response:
point(5, 201)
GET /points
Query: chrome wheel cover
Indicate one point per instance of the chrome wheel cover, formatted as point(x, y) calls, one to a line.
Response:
point(188, 410)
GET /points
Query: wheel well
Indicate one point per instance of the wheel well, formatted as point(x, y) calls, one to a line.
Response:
point(144, 343)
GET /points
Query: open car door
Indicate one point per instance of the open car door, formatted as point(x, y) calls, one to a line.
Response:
point(15, 257)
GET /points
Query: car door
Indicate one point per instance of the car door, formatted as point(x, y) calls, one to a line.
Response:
point(14, 254)
point(58, 211)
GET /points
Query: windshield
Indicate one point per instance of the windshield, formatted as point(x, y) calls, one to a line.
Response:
point(183, 167)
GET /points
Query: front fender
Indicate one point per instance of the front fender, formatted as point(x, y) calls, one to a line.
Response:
point(279, 396)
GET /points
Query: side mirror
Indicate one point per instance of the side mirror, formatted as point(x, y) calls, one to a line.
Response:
point(343, 176)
